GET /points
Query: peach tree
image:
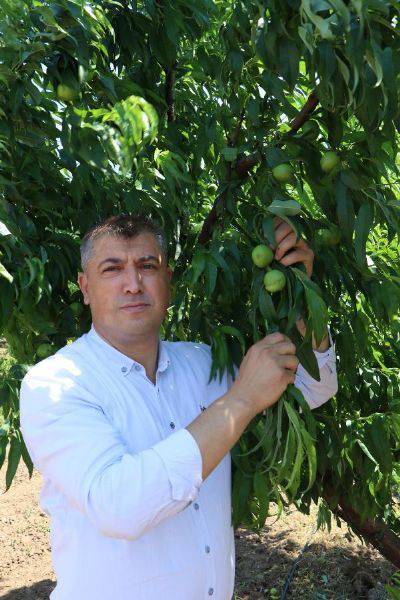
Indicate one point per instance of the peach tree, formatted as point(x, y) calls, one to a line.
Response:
point(216, 118)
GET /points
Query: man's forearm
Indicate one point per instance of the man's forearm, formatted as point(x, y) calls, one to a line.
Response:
point(219, 427)
point(324, 345)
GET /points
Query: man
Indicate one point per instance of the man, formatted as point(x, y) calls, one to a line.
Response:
point(136, 471)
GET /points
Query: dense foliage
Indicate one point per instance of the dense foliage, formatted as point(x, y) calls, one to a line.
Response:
point(184, 109)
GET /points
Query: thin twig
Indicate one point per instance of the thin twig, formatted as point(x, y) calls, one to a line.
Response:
point(169, 92)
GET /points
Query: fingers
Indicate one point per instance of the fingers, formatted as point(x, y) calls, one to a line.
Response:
point(299, 256)
point(273, 338)
point(288, 362)
point(286, 240)
point(285, 244)
point(279, 342)
point(286, 347)
point(290, 376)
point(282, 229)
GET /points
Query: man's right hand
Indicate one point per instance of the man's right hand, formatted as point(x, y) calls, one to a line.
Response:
point(265, 372)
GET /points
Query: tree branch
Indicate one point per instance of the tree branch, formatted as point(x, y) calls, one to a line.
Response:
point(169, 92)
point(373, 531)
point(220, 202)
point(245, 165)
point(304, 114)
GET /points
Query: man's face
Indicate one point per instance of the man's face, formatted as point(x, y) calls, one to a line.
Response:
point(123, 273)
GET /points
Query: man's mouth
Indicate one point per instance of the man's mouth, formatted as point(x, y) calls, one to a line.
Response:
point(134, 307)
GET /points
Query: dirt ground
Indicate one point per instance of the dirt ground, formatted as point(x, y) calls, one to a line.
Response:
point(333, 566)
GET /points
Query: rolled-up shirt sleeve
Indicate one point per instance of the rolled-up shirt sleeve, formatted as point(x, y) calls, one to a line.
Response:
point(72, 442)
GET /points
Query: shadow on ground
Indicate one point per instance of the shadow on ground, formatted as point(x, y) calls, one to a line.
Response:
point(39, 591)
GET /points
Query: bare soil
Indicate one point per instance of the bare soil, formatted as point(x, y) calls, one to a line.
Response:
point(335, 566)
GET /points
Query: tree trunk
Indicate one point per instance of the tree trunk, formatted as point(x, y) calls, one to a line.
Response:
point(373, 531)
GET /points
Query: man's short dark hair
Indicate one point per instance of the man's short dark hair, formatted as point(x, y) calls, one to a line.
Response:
point(125, 226)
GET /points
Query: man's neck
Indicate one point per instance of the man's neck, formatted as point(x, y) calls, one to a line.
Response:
point(143, 350)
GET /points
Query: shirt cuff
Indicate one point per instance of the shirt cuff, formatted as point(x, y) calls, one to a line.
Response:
point(183, 462)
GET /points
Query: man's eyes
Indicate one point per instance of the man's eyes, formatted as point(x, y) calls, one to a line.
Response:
point(145, 266)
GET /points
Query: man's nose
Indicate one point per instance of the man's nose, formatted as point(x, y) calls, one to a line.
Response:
point(132, 280)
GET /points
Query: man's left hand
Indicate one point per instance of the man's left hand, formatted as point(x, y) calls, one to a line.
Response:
point(289, 251)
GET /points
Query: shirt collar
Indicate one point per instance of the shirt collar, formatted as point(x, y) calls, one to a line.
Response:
point(123, 362)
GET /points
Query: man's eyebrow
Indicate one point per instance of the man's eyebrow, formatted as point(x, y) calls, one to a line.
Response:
point(148, 257)
point(117, 261)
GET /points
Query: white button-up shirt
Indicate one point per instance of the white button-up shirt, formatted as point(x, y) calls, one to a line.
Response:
point(131, 517)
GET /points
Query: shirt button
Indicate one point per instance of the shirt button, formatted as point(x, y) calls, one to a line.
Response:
point(172, 425)
point(210, 591)
point(137, 367)
point(196, 506)
point(208, 549)
point(124, 369)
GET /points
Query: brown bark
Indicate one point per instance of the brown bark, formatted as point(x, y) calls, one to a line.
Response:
point(373, 531)
point(304, 114)
point(217, 208)
point(220, 202)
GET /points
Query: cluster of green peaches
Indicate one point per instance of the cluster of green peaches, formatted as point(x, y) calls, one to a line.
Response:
point(274, 280)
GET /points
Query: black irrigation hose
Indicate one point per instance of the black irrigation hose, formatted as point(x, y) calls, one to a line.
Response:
point(291, 573)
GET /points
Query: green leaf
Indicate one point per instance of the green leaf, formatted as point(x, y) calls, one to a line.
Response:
point(306, 355)
point(364, 222)
point(294, 479)
point(211, 275)
point(198, 265)
point(229, 154)
point(269, 231)
point(378, 441)
point(284, 208)
point(4, 273)
point(14, 457)
point(26, 457)
point(3, 448)
point(242, 488)
point(317, 309)
point(236, 333)
point(344, 210)
point(267, 308)
point(217, 255)
point(261, 486)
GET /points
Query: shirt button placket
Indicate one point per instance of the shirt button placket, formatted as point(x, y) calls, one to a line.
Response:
point(207, 548)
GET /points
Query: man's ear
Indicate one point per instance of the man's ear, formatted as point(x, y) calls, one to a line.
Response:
point(170, 273)
point(83, 284)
